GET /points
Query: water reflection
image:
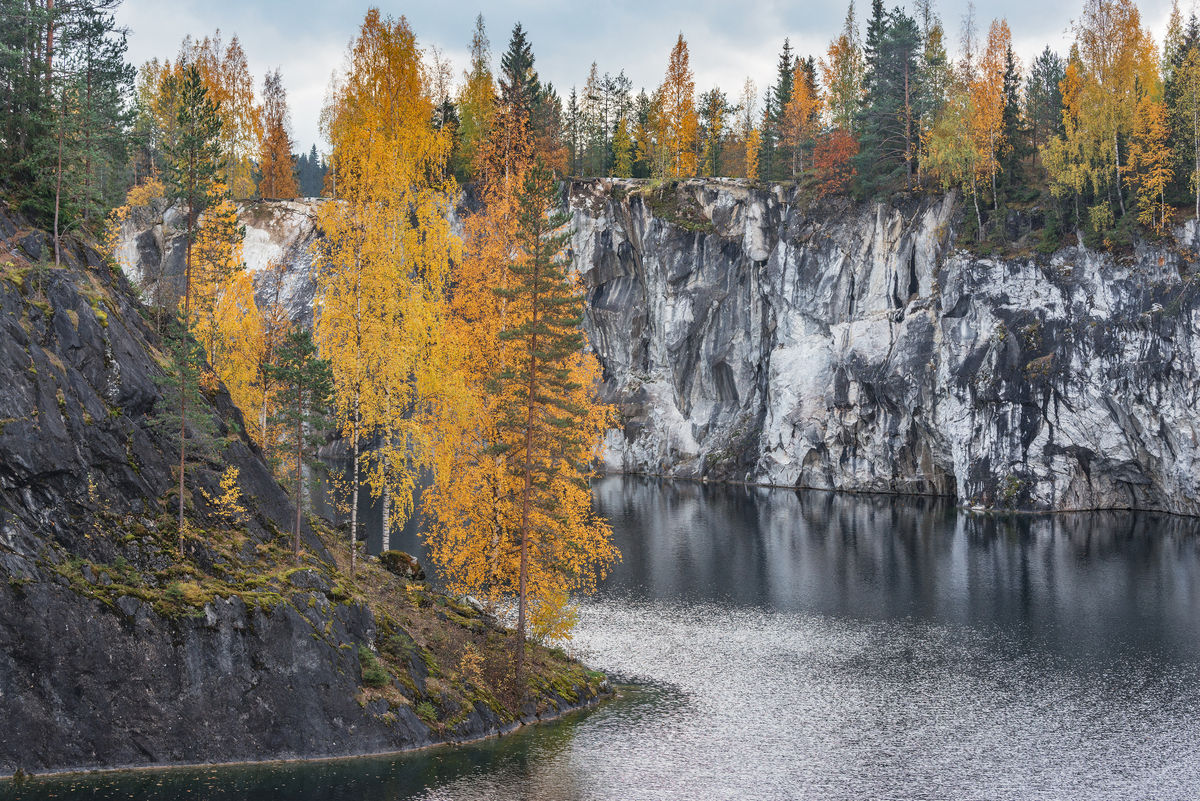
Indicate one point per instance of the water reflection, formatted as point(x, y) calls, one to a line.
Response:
point(1094, 582)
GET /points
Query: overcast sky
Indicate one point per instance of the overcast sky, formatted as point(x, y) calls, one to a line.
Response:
point(728, 41)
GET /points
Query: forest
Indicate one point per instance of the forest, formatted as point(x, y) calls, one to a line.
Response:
point(459, 360)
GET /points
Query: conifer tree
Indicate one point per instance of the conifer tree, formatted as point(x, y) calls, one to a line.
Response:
point(714, 109)
point(305, 384)
point(888, 126)
point(193, 163)
point(1043, 98)
point(513, 518)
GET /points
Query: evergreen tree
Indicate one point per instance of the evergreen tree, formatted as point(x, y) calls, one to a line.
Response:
point(1015, 131)
point(519, 85)
point(1043, 99)
point(771, 164)
point(888, 121)
point(193, 166)
point(184, 412)
point(64, 115)
point(546, 419)
point(305, 386)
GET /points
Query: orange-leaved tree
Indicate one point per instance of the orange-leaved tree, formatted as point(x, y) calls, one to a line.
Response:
point(1150, 169)
point(987, 104)
point(275, 151)
point(676, 122)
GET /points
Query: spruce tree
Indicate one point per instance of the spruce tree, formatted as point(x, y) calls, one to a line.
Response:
point(1015, 132)
point(889, 125)
point(305, 387)
point(519, 85)
point(1043, 99)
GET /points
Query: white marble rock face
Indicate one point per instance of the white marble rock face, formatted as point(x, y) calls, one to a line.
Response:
point(746, 336)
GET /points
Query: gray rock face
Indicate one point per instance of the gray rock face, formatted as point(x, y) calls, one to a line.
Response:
point(853, 348)
point(151, 250)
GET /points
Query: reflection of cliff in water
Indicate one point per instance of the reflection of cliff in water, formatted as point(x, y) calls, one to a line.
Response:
point(1127, 580)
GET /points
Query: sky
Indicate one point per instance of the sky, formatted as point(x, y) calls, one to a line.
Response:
point(727, 41)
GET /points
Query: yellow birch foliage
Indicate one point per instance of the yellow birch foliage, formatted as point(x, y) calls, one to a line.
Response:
point(216, 256)
point(801, 118)
point(677, 126)
point(753, 143)
point(383, 265)
point(1150, 162)
point(1116, 66)
point(1064, 156)
point(239, 327)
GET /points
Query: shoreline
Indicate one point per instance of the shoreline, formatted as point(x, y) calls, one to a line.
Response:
point(975, 510)
point(18, 779)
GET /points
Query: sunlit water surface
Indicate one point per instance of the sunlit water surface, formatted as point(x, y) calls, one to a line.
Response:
point(783, 645)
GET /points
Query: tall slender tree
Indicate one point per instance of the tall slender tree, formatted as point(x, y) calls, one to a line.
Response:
point(305, 384)
point(678, 126)
point(275, 152)
point(194, 163)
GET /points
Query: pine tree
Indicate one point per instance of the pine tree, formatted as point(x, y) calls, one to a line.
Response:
point(514, 517)
point(193, 163)
point(305, 385)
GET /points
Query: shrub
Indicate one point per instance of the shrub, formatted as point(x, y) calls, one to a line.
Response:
point(373, 673)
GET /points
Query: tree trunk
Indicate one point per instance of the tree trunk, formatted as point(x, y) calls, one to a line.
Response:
point(49, 42)
point(1120, 194)
point(187, 312)
point(527, 491)
point(354, 494)
point(62, 114)
point(1196, 140)
point(299, 467)
point(385, 542)
point(978, 215)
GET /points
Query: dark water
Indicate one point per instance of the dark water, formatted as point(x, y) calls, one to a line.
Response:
point(783, 645)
